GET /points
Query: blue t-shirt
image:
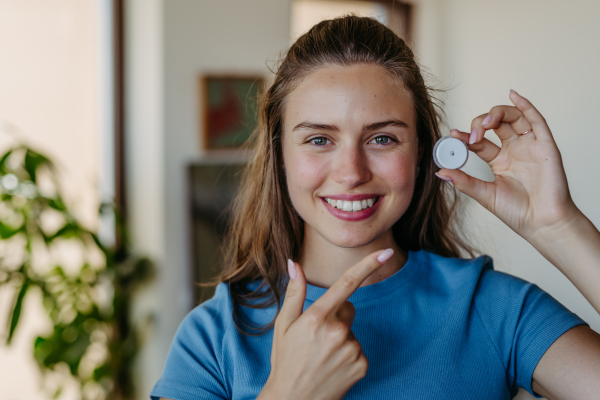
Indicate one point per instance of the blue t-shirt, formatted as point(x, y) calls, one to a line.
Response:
point(439, 328)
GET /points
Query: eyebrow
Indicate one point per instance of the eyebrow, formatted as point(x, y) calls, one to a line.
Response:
point(367, 127)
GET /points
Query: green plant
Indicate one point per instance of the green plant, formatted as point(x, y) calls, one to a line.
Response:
point(90, 306)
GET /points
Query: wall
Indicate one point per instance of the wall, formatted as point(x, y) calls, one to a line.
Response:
point(49, 87)
point(307, 13)
point(144, 147)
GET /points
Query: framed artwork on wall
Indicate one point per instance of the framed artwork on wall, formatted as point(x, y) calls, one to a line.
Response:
point(229, 109)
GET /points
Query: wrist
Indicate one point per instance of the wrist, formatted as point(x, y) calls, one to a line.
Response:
point(574, 249)
point(562, 241)
point(567, 227)
point(271, 391)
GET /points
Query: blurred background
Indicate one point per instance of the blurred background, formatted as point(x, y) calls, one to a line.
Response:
point(146, 102)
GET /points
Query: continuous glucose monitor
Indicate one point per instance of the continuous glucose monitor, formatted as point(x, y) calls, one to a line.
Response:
point(450, 153)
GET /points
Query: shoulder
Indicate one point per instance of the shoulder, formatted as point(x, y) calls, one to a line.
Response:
point(212, 316)
point(454, 264)
point(497, 296)
point(452, 274)
point(197, 351)
point(520, 319)
point(215, 317)
point(478, 273)
point(492, 290)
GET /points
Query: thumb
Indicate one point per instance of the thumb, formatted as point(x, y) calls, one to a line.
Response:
point(295, 295)
point(481, 191)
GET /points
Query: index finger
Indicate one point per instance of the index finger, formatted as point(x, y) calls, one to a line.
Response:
point(343, 288)
point(506, 121)
point(540, 127)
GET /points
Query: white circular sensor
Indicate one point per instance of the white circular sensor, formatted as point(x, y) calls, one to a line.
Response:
point(450, 153)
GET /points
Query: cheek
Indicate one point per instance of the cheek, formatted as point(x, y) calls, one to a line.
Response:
point(305, 173)
point(396, 170)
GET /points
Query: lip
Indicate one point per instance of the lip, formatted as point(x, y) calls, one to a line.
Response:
point(352, 197)
point(353, 216)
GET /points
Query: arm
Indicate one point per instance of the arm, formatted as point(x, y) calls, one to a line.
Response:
point(570, 368)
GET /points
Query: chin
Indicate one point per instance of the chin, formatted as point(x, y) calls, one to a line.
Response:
point(350, 239)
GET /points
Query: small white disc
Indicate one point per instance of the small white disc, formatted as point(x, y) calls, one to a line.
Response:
point(450, 153)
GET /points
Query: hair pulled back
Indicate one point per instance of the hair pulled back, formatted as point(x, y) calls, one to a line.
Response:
point(266, 230)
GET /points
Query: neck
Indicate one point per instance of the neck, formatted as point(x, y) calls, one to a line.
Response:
point(324, 263)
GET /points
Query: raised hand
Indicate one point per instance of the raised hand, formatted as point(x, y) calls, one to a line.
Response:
point(530, 192)
point(315, 355)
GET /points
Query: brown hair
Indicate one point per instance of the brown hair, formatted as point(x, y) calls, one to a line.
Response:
point(266, 230)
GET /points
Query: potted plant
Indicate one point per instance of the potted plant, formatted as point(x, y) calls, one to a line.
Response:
point(92, 333)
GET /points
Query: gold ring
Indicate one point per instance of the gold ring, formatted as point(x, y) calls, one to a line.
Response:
point(531, 130)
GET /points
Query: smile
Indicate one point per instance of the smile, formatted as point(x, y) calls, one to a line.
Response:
point(352, 206)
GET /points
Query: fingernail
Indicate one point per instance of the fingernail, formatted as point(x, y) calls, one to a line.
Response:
point(444, 177)
point(385, 255)
point(473, 136)
point(514, 91)
point(486, 120)
point(292, 269)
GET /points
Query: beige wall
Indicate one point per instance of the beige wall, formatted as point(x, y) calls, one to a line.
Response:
point(49, 85)
point(306, 13)
point(49, 97)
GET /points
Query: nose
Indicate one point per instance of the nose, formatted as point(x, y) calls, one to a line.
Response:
point(351, 166)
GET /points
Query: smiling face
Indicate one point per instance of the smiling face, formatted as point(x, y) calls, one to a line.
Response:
point(350, 135)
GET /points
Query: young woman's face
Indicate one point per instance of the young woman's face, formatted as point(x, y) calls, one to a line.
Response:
point(350, 135)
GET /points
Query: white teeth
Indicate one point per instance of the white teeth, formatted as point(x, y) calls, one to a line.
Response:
point(351, 206)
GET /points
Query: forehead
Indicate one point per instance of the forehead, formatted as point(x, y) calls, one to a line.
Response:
point(348, 96)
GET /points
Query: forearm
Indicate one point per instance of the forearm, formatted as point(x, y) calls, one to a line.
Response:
point(574, 248)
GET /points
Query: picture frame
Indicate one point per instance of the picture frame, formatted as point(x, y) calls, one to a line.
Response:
point(229, 109)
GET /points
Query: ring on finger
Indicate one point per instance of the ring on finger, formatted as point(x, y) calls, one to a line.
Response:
point(529, 131)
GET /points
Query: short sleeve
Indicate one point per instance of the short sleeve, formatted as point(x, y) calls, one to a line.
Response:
point(522, 321)
point(193, 367)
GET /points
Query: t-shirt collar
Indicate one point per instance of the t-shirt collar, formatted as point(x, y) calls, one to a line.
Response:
point(376, 290)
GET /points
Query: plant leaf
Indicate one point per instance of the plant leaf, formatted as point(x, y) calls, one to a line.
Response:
point(57, 204)
point(3, 160)
point(69, 230)
point(7, 231)
point(33, 161)
point(102, 371)
point(17, 310)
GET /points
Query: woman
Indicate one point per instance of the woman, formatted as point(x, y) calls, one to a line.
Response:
point(379, 304)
